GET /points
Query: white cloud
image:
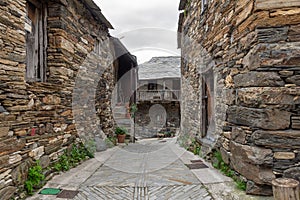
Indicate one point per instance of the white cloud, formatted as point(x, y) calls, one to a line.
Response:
point(131, 14)
point(130, 17)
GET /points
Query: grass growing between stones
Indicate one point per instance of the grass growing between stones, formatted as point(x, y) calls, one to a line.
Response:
point(111, 141)
point(69, 159)
point(195, 147)
point(35, 178)
point(219, 163)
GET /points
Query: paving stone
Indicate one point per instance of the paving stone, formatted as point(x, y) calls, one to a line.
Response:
point(99, 178)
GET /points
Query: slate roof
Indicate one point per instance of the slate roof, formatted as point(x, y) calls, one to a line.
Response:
point(160, 68)
point(92, 6)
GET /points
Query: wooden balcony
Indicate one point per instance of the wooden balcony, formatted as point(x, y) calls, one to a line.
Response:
point(158, 95)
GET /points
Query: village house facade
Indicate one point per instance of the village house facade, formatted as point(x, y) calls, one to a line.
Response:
point(158, 97)
point(240, 85)
point(44, 47)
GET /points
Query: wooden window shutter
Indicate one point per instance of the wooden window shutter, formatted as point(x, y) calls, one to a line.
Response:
point(36, 42)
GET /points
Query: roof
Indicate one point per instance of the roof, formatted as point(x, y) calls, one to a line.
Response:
point(96, 11)
point(121, 50)
point(160, 68)
point(182, 4)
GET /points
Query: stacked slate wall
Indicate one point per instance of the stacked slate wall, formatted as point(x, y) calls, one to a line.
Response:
point(252, 49)
point(36, 118)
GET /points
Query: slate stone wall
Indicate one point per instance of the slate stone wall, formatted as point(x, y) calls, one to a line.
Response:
point(36, 118)
point(252, 48)
point(143, 126)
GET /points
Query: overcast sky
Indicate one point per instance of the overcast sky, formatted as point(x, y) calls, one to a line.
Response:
point(147, 27)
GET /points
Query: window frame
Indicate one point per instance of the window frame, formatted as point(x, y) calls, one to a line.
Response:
point(36, 41)
point(204, 4)
point(152, 86)
point(97, 46)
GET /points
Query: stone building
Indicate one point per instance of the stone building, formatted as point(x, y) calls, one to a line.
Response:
point(240, 85)
point(125, 86)
point(158, 97)
point(57, 73)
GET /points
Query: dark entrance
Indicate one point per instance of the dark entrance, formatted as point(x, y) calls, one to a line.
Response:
point(207, 101)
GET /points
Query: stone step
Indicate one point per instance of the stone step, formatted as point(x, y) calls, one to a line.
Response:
point(119, 109)
point(124, 121)
point(119, 115)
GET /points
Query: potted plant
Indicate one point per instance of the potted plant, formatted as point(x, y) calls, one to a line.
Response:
point(121, 134)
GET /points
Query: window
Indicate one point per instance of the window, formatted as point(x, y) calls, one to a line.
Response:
point(97, 47)
point(152, 86)
point(203, 6)
point(36, 41)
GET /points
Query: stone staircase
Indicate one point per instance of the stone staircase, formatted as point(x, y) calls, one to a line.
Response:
point(122, 119)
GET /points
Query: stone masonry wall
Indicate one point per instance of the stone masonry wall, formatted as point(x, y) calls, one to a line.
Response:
point(143, 127)
point(253, 49)
point(36, 118)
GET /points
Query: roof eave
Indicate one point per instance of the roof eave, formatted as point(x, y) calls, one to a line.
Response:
point(121, 50)
point(96, 11)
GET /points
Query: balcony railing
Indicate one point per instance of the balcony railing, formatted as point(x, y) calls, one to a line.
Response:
point(160, 95)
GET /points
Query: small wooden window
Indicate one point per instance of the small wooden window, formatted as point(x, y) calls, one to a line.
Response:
point(97, 48)
point(203, 6)
point(36, 41)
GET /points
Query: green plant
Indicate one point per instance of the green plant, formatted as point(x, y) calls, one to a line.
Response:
point(133, 109)
point(197, 150)
point(89, 148)
point(57, 166)
point(226, 170)
point(121, 131)
point(195, 147)
point(35, 178)
point(64, 162)
point(77, 153)
point(218, 159)
point(240, 184)
point(111, 141)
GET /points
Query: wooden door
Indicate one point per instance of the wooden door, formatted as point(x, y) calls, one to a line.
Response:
point(204, 123)
point(207, 102)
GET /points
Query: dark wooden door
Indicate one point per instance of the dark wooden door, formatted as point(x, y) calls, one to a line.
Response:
point(207, 102)
point(204, 124)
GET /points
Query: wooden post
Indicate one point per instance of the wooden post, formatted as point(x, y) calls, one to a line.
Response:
point(285, 189)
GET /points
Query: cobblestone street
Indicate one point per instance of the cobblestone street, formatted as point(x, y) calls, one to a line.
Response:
point(149, 169)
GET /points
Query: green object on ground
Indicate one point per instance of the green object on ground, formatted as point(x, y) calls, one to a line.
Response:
point(50, 191)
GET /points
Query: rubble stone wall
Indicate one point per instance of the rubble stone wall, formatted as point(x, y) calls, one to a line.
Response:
point(253, 49)
point(36, 118)
point(143, 127)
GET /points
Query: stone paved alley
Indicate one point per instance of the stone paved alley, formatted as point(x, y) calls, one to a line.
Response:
point(149, 169)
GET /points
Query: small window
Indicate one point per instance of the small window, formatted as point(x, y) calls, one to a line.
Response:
point(97, 47)
point(152, 86)
point(203, 6)
point(36, 41)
